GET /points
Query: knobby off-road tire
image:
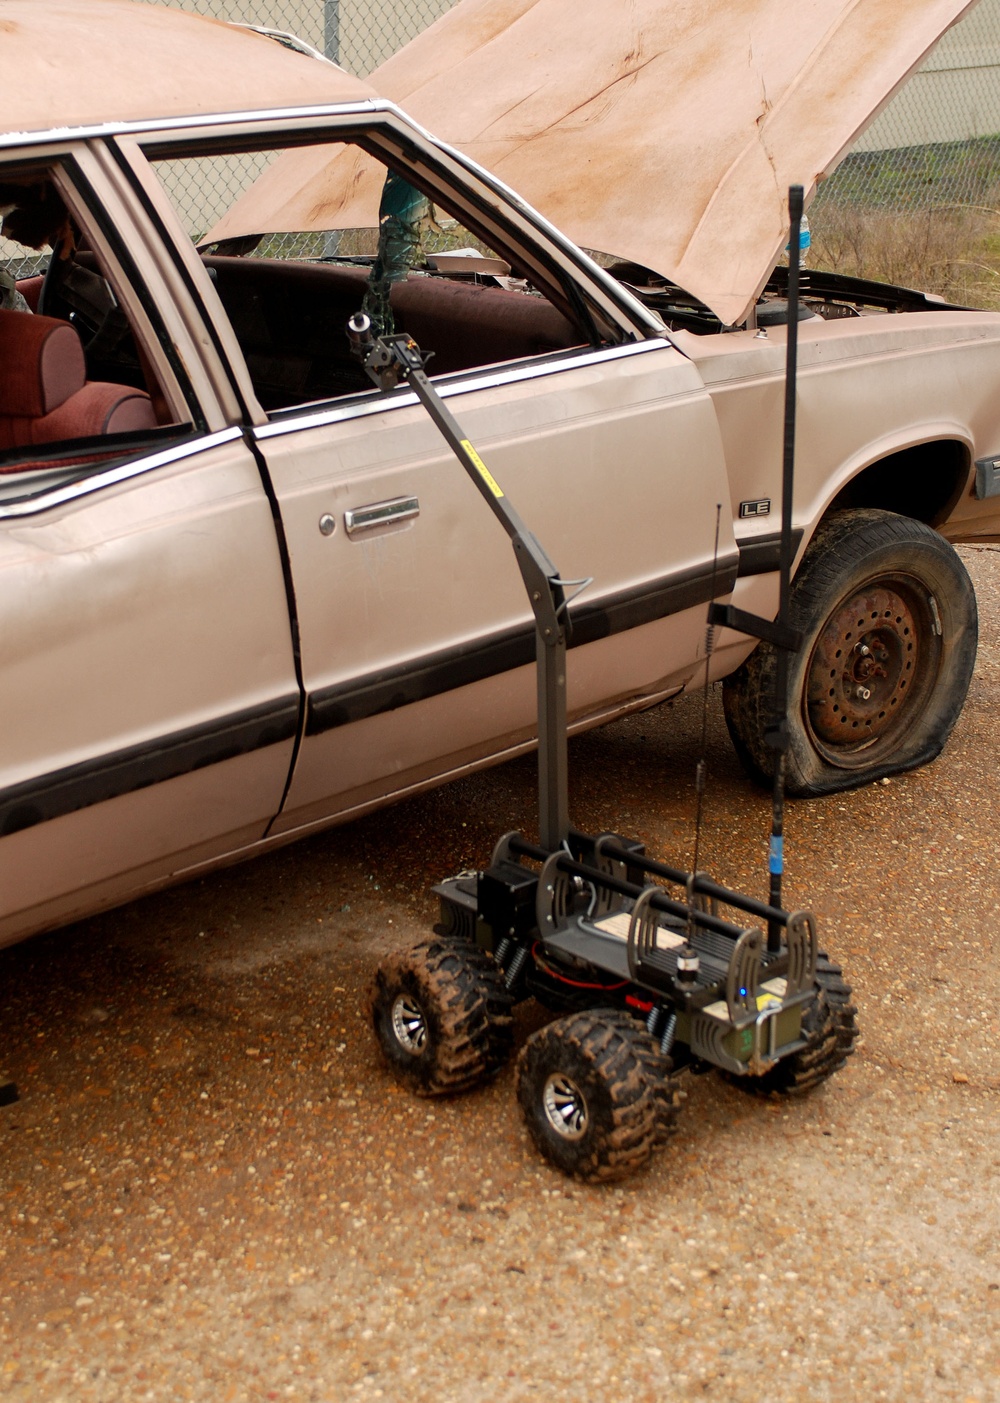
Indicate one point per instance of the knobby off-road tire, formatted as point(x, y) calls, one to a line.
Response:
point(442, 1016)
point(587, 1096)
point(830, 1025)
point(889, 620)
point(666, 1085)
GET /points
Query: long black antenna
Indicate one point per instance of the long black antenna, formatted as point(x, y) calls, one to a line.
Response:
point(701, 767)
point(778, 737)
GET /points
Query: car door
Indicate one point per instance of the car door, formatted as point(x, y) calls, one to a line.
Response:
point(416, 634)
point(148, 689)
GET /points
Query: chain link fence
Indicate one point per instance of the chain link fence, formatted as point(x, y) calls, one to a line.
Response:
point(917, 201)
point(357, 34)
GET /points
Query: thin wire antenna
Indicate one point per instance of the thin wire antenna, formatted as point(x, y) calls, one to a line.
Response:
point(702, 766)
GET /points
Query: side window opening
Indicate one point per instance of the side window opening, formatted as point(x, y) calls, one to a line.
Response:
point(289, 295)
point(78, 385)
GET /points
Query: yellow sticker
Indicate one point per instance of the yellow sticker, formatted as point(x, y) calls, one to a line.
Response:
point(767, 1001)
point(481, 468)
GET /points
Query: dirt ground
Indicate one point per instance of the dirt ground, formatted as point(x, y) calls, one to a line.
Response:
point(211, 1189)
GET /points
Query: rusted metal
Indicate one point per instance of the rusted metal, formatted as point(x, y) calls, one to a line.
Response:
point(863, 664)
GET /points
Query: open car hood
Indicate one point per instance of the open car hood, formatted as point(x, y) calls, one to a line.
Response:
point(664, 131)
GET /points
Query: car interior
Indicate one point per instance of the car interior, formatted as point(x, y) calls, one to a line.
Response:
point(289, 296)
point(290, 318)
point(75, 388)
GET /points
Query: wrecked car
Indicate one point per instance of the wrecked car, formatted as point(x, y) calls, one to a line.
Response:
point(246, 595)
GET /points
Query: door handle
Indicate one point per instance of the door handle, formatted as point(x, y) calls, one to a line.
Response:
point(380, 514)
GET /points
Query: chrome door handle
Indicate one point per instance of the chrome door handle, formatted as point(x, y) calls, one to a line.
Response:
point(380, 514)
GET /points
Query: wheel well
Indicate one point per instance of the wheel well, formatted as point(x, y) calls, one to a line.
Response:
point(924, 482)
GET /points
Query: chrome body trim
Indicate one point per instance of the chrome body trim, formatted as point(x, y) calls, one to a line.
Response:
point(461, 382)
point(58, 495)
point(147, 126)
point(359, 519)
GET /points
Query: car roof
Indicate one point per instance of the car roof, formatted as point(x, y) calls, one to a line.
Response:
point(84, 63)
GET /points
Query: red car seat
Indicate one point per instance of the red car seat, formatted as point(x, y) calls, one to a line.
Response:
point(44, 392)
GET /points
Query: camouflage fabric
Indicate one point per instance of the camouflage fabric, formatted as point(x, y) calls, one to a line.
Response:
point(10, 299)
point(403, 215)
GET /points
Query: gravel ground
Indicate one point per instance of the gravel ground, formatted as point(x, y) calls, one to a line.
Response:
point(211, 1189)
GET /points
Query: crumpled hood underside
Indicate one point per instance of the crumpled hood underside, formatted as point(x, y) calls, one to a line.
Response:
point(663, 131)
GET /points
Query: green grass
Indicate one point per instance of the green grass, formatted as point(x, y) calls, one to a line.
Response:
point(914, 177)
point(924, 216)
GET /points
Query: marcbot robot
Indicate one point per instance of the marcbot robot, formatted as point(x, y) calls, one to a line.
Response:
point(655, 970)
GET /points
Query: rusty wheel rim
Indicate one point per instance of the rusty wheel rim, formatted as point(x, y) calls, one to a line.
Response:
point(869, 668)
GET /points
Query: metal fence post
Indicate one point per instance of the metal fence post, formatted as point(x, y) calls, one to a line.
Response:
point(331, 29)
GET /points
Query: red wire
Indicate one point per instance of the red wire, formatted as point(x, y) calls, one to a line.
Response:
point(575, 983)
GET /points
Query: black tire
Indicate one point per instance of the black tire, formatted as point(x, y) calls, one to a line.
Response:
point(585, 1091)
point(870, 580)
point(665, 1084)
point(442, 1016)
point(830, 1025)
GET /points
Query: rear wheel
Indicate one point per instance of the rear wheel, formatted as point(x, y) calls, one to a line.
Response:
point(442, 1016)
point(586, 1094)
point(889, 620)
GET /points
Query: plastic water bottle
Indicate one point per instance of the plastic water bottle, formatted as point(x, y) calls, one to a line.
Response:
point(805, 240)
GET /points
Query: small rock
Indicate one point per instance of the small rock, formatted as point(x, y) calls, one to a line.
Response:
point(82, 1302)
point(960, 1077)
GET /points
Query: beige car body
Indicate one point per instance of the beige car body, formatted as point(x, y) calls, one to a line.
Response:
point(196, 668)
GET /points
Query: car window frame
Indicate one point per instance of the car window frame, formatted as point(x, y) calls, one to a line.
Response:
point(110, 225)
point(69, 174)
point(550, 260)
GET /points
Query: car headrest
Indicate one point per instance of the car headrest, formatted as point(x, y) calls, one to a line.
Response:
point(41, 364)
